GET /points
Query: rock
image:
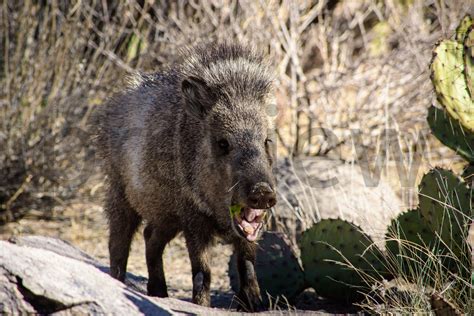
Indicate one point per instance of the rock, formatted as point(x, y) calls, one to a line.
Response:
point(49, 276)
point(311, 189)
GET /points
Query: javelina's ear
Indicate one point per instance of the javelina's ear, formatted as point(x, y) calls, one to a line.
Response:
point(198, 96)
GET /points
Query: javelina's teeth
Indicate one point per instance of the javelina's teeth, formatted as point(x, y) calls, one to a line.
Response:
point(249, 230)
point(247, 227)
point(250, 215)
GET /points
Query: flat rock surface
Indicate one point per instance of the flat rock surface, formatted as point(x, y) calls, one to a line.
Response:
point(47, 275)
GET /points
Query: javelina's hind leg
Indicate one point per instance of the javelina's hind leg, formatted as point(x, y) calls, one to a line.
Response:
point(157, 235)
point(249, 292)
point(198, 234)
point(123, 223)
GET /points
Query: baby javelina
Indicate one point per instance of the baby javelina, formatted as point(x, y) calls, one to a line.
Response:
point(187, 150)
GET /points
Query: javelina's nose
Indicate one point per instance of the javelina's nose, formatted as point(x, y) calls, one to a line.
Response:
point(262, 196)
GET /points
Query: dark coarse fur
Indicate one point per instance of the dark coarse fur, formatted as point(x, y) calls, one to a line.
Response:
point(179, 147)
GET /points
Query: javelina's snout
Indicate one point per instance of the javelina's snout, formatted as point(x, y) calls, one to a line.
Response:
point(249, 222)
point(261, 196)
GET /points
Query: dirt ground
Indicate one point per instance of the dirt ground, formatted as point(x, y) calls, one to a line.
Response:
point(84, 225)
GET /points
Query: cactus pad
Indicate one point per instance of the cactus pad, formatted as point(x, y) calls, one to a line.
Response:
point(278, 270)
point(446, 204)
point(450, 83)
point(408, 238)
point(327, 248)
point(462, 28)
point(451, 133)
point(469, 60)
point(410, 226)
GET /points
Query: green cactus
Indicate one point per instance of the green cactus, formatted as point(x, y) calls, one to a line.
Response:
point(333, 251)
point(409, 241)
point(278, 271)
point(462, 28)
point(445, 203)
point(411, 227)
point(468, 176)
point(328, 244)
point(438, 227)
point(449, 79)
point(469, 59)
point(451, 133)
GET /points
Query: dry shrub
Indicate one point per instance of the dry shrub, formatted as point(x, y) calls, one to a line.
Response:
point(339, 65)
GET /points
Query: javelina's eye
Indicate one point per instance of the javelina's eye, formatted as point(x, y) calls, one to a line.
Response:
point(268, 141)
point(223, 145)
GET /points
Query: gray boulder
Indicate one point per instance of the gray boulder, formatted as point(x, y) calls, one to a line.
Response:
point(311, 189)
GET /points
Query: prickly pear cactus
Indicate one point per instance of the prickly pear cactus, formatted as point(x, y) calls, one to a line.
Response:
point(448, 74)
point(446, 205)
point(278, 271)
point(445, 202)
point(438, 227)
point(468, 176)
point(328, 244)
point(451, 133)
point(469, 57)
point(462, 28)
point(408, 238)
point(410, 226)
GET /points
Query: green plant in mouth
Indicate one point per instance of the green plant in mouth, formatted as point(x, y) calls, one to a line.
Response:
point(235, 210)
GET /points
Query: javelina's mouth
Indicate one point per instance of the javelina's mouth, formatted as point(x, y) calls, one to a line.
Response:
point(248, 222)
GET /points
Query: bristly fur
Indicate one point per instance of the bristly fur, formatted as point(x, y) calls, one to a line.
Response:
point(160, 142)
point(232, 69)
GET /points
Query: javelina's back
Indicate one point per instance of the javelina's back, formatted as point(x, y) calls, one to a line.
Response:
point(149, 107)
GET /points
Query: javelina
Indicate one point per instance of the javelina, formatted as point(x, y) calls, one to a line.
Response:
point(179, 148)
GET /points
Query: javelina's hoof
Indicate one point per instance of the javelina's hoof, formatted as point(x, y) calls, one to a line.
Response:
point(203, 300)
point(201, 295)
point(156, 290)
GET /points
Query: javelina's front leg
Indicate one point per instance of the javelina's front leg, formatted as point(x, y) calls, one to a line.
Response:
point(198, 238)
point(157, 235)
point(249, 292)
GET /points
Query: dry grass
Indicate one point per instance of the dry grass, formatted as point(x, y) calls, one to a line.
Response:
point(411, 291)
point(341, 66)
point(423, 271)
